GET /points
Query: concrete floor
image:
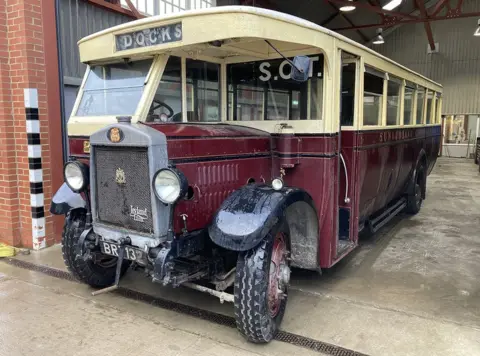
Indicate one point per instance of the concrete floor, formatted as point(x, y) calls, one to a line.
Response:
point(412, 289)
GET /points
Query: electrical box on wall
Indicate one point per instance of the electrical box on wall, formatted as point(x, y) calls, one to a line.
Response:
point(430, 50)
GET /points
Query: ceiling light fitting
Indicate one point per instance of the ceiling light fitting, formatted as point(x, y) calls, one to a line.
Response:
point(347, 8)
point(391, 5)
point(379, 39)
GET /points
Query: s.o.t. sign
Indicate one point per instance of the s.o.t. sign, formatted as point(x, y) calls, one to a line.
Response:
point(149, 37)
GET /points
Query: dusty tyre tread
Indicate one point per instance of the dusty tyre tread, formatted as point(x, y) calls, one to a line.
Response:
point(85, 271)
point(251, 285)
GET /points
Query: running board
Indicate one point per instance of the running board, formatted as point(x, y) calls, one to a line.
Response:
point(387, 215)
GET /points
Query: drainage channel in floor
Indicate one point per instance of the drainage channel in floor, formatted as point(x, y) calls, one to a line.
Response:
point(282, 336)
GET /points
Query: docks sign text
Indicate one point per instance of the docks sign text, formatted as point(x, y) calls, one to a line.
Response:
point(149, 37)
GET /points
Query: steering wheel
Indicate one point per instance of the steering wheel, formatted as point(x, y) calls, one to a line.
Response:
point(157, 104)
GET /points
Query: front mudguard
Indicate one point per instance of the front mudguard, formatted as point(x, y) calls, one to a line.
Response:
point(65, 200)
point(248, 214)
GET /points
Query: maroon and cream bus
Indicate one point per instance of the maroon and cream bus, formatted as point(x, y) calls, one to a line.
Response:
point(216, 149)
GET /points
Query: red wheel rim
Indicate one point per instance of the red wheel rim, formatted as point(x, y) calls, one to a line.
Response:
point(276, 285)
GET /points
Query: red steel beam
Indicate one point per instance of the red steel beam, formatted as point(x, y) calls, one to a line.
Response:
point(426, 24)
point(376, 3)
point(112, 7)
point(403, 22)
point(438, 7)
point(376, 9)
point(134, 10)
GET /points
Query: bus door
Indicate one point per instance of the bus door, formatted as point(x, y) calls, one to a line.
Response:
point(348, 132)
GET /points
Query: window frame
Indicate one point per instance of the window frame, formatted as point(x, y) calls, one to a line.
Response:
point(381, 122)
point(438, 113)
point(358, 88)
point(424, 109)
point(413, 115)
point(400, 82)
point(432, 106)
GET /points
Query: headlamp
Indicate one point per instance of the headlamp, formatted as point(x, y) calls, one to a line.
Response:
point(76, 175)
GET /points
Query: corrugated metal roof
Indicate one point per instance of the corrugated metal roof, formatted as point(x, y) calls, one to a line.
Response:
point(79, 19)
point(456, 66)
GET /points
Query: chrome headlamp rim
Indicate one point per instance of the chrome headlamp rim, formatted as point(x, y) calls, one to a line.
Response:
point(182, 182)
point(277, 184)
point(84, 173)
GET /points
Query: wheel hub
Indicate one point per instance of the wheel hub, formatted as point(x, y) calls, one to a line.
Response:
point(418, 194)
point(279, 274)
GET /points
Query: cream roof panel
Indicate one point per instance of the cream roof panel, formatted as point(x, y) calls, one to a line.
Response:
point(216, 23)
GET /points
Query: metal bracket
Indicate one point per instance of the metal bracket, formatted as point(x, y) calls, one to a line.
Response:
point(161, 266)
point(121, 255)
point(80, 250)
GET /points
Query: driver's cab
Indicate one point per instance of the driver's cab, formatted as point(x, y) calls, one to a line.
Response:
point(243, 79)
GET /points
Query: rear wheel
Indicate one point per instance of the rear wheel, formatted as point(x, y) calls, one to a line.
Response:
point(98, 274)
point(261, 283)
point(415, 198)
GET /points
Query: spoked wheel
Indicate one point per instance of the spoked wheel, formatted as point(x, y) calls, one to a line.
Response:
point(261, 285)
point(415, 199)
point(99, 273)
point(279, 275)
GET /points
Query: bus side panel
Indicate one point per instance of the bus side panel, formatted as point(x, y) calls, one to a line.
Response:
point(432, 145)
point(386, 159)
point(311, 163)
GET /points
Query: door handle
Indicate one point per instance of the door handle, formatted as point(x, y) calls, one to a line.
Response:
point(347, 199)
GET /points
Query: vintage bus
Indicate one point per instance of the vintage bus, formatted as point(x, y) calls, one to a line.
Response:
point(216, 149)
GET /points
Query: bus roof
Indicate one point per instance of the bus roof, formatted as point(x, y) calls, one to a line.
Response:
point(102, 45)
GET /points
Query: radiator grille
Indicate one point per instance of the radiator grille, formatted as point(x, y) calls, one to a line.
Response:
point(123, 202)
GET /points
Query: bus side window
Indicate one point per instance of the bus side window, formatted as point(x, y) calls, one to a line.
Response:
point(420, 105)
point(393, 100)
point(430, 105)
point(372, 99)
point(409, 104)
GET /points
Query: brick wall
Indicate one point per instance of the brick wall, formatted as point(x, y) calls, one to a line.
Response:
point(28, 59)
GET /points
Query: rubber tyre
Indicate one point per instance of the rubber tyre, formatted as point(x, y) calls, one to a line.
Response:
point(414, 199)
point(252, 314)
point(85, 271)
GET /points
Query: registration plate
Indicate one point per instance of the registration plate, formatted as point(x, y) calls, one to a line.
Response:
point(112, 249)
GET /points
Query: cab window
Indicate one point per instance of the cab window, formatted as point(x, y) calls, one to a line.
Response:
point(203, 92)
point(264, 90)
point(113, 89)
point(167, 102)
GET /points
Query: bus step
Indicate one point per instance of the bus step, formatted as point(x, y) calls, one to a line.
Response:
point(387, 215)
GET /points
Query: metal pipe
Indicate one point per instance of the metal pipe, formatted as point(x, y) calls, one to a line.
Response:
point(347, 199)
point(224, 297)
point(61, 84)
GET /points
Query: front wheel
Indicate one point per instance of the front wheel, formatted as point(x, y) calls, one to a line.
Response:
point(261, 283)
point(97, 274)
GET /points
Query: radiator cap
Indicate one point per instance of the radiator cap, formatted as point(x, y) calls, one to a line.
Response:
point(124, 119)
